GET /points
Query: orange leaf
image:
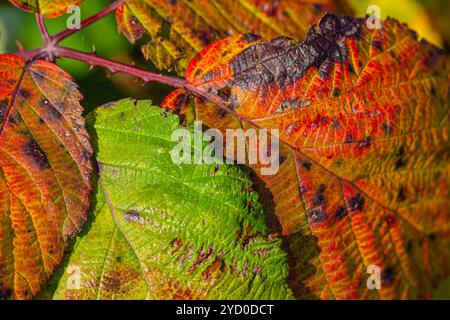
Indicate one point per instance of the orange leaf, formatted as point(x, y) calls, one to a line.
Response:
point(45, 172)
point(364, 176)
point(49, 9)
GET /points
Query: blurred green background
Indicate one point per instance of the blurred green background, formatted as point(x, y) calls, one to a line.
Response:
point(430, 18)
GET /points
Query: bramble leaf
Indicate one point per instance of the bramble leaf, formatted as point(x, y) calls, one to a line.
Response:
point(168, 231)
point(364, 117)
point(45, 172)
point(180, 29)
point(49, 9)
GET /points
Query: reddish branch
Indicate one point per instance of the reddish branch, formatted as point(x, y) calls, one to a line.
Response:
point(42, 29)
point(93, 60)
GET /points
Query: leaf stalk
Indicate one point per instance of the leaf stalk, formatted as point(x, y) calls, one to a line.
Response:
point(95, 61)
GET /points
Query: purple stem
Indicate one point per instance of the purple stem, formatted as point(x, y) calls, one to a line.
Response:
point(42, 29)
point(94, 61)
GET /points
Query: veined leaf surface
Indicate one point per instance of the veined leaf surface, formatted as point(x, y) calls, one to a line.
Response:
point(167, 231)
point(180, 29)
point(45, 172)
point(48, 8)
point(364, 116)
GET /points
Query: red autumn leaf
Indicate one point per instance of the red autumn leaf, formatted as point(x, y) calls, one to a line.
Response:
point(180, 29)
point(364, 176)
point(49, 9)
point(45, 172)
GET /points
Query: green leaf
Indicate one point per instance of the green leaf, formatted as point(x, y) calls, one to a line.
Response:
point(166, 231)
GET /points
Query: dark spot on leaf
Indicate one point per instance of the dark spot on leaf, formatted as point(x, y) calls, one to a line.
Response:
point(317, 8)
point(44, 103)
point(387, 129)
point(387, 276)
point(181, 102)
point(377, 44)
point(401, 196)
point(365, 143)
point(437, 175)
point(335, 123)
point(390, 219)
point(5, 293)
point(316, 216)
point(13, 119)
point(341, 212)
point(249, 37)
point(35, 154)
point(433, 91)
point(85, 155)
point(224, 94)
point(350, 68)
point(198, 72)
point(205, 37)
point(207, 76)
point(432, 237)
point(409, 246)
point(24, 93)
point(399, 163)
point(400, 152)
point(348, 138)
point(222, 114)
point(356, 202)
point(283, 158)
point(133, 216)
point(321, 188)
point(318, 200)
point(413, 34)
point(134, 21)
point(306, 165)
point(52, 110)
point(336, 92)
point(3, 107)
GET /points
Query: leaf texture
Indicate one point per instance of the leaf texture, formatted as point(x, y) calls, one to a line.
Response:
point(180, 29)
point(167, 231)
point(45, 172)
point(48, 8)
point(364, 117)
